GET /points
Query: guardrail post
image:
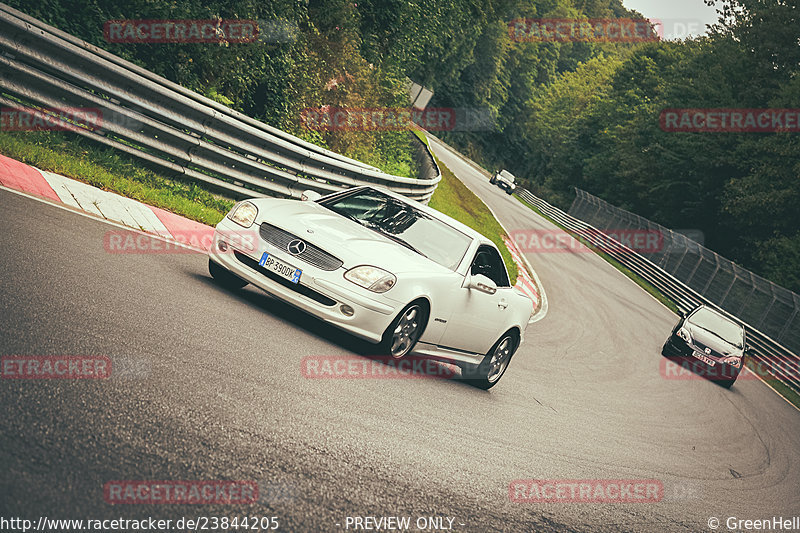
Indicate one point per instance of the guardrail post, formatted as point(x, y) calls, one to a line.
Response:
point(767, 349)
point(749, 296)
point(714, 275)
point(786, 326)
point(767, 309)
point(231, 152)
point(700, 260)
point(733, 281)
point(685, 251)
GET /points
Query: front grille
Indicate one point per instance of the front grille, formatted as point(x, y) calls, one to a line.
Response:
point(296, 287)
point(702, 348)
point(699, 345)
point(313, 255)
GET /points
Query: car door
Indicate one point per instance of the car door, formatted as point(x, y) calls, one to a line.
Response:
point(478, 317)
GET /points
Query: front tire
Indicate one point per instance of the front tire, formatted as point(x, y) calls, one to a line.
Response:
point(225, 278)
point(495, 362)
point(405, 330)
point(667, 350)
point(728, 383)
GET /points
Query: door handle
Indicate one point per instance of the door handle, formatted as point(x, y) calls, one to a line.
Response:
point(502, 304)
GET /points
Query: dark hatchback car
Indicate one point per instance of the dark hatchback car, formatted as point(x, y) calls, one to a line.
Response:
point(715, 344)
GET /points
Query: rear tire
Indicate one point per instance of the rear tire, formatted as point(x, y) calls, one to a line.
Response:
point(488, 373)
point(224, 277)
point(728, 383)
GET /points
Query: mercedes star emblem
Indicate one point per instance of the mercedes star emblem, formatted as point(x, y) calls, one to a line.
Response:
point(296, 247)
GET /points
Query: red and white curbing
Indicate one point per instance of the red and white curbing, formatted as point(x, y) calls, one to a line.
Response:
point(525, 283)
point(25, 178)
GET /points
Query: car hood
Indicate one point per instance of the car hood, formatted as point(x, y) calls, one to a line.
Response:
point(702, 339)
point(348, 240)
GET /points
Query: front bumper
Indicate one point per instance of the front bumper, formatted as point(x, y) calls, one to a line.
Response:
point(676, 347)
point(320, 293)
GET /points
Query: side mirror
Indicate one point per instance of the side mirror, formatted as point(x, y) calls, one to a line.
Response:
point(310, 196)
point(479, 282)
point(748, 350)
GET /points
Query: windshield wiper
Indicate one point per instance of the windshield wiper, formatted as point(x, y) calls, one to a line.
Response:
point(392, 236)
point(345, 214)
point(378, 229)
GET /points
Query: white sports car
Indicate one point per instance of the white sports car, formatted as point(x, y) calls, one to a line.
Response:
point(383, 267)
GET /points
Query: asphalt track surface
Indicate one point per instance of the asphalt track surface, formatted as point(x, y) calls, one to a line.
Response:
point(214, 391)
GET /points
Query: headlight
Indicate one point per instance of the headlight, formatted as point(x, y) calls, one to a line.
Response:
point(684, 334)
point(371, 278)
point(244, 214)
point(733, 361)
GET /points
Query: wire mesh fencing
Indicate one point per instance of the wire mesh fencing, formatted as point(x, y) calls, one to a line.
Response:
point(762, 304)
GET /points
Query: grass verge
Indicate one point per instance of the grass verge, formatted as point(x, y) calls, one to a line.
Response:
point(791, 395)
point(421, 136)
point(454, 199)
point(72, 156)
point(782, 389)
point(79, 159)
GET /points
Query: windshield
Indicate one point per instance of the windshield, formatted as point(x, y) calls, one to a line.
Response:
point(507, 175)
point(403, 223)
point(725, 329)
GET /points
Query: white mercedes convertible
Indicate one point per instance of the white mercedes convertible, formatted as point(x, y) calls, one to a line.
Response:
point(384, 268)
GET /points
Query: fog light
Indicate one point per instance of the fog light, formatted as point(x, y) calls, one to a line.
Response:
point(346, 310)
point(222, 245)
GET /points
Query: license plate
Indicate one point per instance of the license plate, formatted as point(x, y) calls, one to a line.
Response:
point(703, 358)
point(281, 268)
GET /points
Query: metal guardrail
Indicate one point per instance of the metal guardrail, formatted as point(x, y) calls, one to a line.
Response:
point(777, 360)
point(171, 127)
point(765, 305)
